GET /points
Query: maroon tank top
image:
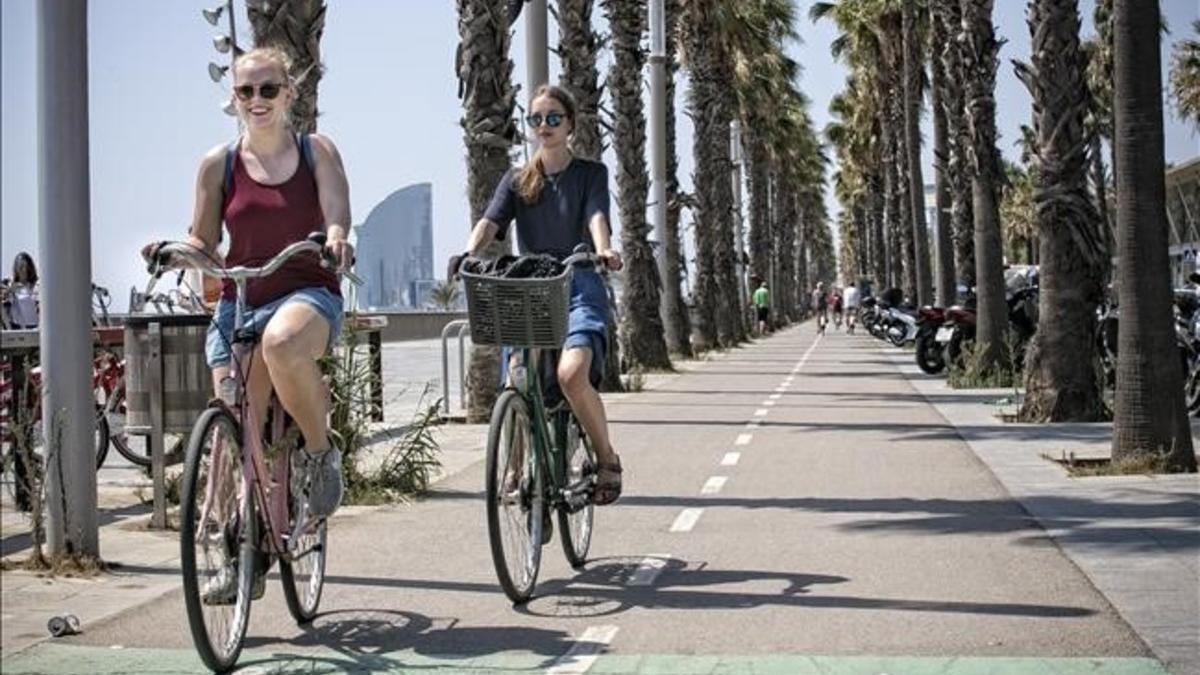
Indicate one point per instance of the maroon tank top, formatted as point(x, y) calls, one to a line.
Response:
point(262, 220)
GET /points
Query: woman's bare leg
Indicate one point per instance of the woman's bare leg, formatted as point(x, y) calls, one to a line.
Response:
point(573, 367)
point(295, 337)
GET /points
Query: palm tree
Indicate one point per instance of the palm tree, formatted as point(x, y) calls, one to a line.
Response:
point(642, 332)
point(1149, 417)
point(914, 75)
point(958, 132)
point(673, 247)
point(485, 87)
point(1185, 77)
point(1060, 379)
point(296, 28)
point(717, 295)
point(986, 175)
point(444, 295)
point(578, 48)
point(939, 39)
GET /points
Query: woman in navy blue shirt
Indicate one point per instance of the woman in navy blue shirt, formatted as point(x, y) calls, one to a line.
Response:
point(559, 201)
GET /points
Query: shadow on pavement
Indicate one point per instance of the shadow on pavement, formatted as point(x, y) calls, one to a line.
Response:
point(366, 637)
point(603, 586)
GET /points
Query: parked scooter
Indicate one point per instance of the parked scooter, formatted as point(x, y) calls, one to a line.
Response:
point(929, 353)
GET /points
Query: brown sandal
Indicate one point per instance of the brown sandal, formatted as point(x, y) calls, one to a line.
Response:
point(608, 483)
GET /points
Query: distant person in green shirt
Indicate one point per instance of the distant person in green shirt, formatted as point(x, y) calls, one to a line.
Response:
point(762, 305)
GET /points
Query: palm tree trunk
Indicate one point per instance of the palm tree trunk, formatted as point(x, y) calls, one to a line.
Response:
point(485, 88)
point(760, 223)
point(578, 48)
point(958, 170)
point(674, 244)
point(879, 266)
point(642, 331)
point(946, 291)
point(1149, 417)
point(980, 65)
point(913, 75)
point(1060, 379)
point(295, 26)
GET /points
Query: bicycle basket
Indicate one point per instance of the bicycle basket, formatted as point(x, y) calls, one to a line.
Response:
point(518, 312)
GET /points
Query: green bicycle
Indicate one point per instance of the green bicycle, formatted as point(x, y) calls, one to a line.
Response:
point(538, 458)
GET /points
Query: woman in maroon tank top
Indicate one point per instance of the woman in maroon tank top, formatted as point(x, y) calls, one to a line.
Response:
point(274, 197)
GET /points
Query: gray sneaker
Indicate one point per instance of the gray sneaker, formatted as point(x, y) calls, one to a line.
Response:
point(222, 589)
point(319, 477)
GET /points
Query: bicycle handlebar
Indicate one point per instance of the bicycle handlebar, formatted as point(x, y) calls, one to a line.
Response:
point(165, 255)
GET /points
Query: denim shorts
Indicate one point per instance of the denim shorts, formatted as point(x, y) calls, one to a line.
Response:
point(218, 345)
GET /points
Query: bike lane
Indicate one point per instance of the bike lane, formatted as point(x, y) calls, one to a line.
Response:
point(852, 532)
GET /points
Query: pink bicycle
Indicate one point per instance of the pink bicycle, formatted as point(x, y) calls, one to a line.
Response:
point(239, 508)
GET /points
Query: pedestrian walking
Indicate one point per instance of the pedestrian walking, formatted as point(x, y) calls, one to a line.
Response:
point(820, 307)
point(850, 302)
point(20, 294)
point(762, 307)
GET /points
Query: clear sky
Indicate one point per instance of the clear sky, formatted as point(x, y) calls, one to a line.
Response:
point(388, 98)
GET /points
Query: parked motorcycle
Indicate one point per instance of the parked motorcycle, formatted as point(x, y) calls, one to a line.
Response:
point(929, 354)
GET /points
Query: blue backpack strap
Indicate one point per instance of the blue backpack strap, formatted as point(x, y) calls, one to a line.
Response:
point(304, 142)
point(231, 151)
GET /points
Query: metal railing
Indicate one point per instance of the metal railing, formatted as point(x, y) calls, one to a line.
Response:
point(462, 325)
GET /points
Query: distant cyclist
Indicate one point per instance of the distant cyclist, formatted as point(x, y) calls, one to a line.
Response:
point(850, 303)
point(560, 201)
point(819, 307)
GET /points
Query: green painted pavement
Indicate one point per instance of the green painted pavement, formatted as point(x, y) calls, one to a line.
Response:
point(64, 659)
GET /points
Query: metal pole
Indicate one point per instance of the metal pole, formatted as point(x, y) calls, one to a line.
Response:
point(68, 406)
point(668, 307)
point(735, 154)
point(537, 69)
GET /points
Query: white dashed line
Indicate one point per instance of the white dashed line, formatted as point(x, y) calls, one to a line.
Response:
point(584, 652)
point(713, 485)
point(753, 424)
point(731, 458)
point(768, 403)
point(780, 390)
point(743, 439)
point(788, 380)
point(648, 570)
point(761, 412)
point(775, 397)
point(686, 520)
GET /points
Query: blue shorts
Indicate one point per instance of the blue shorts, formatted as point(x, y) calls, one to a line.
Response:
point(587, 327)
point(219, 343)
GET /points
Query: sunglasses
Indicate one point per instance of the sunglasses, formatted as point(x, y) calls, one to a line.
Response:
point(552, 120)
point(267, 90)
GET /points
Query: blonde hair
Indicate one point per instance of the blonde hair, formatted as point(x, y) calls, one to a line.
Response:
point(281, 60)
point(531, 178)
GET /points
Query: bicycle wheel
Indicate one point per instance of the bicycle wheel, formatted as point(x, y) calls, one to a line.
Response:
point(304, 575)
point(516, 500)
point(137, 452)
point(101, 437)
point(217, 535)
point(575, 527)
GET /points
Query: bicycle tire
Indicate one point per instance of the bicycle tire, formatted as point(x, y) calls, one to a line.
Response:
point(102, 437)
point(240, 534)
point(510, 416)
point(120, 440)
point(575, 529)
point(304, 578)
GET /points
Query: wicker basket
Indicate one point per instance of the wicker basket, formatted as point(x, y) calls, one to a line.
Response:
point(518, 312)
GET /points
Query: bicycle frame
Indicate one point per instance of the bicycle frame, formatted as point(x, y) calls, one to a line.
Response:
point(549, 436)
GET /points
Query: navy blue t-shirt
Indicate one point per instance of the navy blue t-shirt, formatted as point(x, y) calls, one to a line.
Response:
point(558, 221)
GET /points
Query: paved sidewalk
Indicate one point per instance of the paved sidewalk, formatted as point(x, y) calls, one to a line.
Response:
point(1137, 538)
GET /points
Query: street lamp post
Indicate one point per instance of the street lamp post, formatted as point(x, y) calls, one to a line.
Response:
point(68, 405)
point(224, 44)
point(735, 155)
point(668, 307)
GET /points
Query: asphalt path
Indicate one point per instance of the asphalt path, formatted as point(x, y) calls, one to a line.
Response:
point(791, 506)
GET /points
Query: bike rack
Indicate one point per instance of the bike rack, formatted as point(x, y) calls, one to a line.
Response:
point(462, 325)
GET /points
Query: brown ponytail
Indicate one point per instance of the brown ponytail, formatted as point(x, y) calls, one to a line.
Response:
point(532, 177)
